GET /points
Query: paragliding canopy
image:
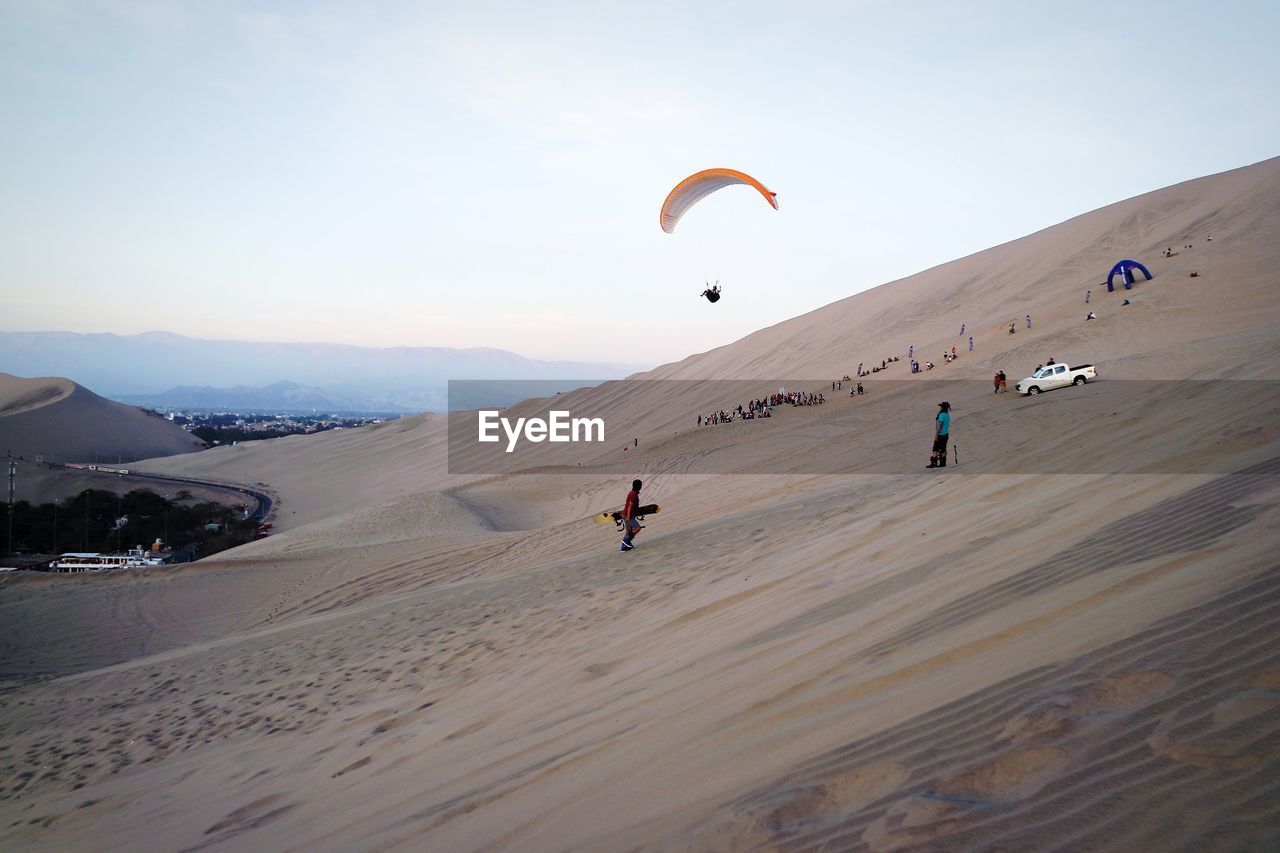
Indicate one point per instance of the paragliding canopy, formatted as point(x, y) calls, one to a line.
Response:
point(1125, 269)
point(695, 188)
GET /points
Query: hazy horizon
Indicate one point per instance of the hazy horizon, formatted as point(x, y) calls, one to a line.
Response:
point(150, 369)
point(233, 340)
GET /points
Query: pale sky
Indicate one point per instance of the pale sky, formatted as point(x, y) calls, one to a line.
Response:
point(489, 174)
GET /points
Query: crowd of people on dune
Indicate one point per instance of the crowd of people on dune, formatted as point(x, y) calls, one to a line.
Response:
point(763, 408)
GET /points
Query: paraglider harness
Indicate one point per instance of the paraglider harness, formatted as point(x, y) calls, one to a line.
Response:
point(712, 293)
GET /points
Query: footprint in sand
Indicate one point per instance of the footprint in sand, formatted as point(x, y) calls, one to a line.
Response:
point(1013, 776)
point(835, 797)
point(1266, 680)
point(1042, 723)
point(1233, 736)
point(355, 765)
point(1123, 691)
point(915, 823)
point(1206, 753)
point(948, 806)
point(1245, 705)
point(252, 815)
point(596, 670)
point(1063, 714)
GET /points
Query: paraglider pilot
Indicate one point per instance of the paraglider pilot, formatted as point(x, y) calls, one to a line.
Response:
point(712, 293)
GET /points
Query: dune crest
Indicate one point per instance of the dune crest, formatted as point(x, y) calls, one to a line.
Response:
point(21, 395)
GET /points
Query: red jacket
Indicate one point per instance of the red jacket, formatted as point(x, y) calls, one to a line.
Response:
point(633, 503)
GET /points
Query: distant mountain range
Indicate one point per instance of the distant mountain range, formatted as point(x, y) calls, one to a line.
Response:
point(276, 397)
point(163, 369)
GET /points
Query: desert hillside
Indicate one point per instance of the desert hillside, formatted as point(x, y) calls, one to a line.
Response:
point(66, 422)
point(1065, 642)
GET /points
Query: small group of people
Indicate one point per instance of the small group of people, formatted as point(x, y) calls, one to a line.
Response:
point(1013, 325)
point(884, 365)
point(800, 398)
point(838, 384)
point(1000, 382)
point(754, 409)
point(1169, 252)
point(1039, 367)
point(948, 356)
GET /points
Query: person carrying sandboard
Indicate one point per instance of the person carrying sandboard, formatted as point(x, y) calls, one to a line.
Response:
point(631, 525)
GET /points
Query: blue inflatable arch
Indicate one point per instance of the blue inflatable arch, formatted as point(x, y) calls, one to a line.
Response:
point(1125, 269)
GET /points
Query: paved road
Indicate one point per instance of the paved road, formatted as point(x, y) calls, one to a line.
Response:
point(259, 515)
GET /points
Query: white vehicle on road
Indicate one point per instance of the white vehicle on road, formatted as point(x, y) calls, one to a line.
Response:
point(1056, 376)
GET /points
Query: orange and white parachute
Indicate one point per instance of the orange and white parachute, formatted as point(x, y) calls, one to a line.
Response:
point(695, 188)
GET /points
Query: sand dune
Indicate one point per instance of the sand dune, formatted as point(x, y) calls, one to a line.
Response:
point(813, 657)
point(21, 395)
point(65, 422)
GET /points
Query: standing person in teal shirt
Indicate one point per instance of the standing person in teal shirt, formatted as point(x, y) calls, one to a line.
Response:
point(941, 432)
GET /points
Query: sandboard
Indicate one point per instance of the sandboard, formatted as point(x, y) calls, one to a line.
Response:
point(616, 517)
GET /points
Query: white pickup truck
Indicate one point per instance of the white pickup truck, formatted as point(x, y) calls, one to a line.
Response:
point(1056, 376)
